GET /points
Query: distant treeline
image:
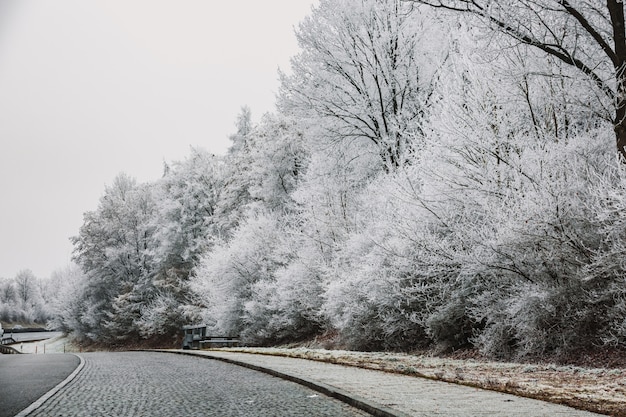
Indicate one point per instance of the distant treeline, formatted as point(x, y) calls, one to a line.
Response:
point(26, 299)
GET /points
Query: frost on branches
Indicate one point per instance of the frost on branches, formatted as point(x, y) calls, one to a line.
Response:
point(425, 182)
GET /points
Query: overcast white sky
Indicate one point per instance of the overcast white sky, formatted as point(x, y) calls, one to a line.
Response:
point(89, 89)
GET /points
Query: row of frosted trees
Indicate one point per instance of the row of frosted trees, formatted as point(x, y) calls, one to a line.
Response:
point(26, 299)
point(427, 180)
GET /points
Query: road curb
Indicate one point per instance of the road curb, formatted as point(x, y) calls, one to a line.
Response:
point(370, 407)
point(34, 406)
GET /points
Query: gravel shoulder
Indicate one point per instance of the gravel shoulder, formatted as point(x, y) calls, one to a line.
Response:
point(601, 390)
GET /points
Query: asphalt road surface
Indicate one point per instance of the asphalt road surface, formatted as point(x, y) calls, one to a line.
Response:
point(157, 384)
point(25, 378)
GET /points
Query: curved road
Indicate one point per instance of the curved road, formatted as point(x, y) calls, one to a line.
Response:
point(157, 384)
point(25, 378)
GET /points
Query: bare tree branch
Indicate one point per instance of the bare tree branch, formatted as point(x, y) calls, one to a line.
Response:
point(579, 33)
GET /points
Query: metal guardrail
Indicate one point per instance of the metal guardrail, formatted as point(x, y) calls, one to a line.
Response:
point(8, 350)
point(8, 340)
point(218, 341)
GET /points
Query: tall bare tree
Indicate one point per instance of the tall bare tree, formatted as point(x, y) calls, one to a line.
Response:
point(588, 35)
point(25, 285)
point(365, 73)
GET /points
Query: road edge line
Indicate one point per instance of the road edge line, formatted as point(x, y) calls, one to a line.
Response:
point(34, 406)
point(363, 404)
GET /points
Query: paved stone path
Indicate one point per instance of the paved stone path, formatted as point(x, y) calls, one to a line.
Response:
point(410, 395)
point(158, 384)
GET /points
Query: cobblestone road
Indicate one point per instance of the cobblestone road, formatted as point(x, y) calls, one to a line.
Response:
point(157, 384)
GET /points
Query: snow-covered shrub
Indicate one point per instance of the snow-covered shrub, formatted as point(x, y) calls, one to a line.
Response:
point(514, 196)
point(168, 307)
point(227, 278)
point(392, 273)
point(538, 297)
point(605, 276)
point(296, 300)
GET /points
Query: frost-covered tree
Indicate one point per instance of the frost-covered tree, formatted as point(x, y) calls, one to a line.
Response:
point(244, 126)
point(367, 72)
point(185, 228)
point(25, 298)
point(259, 285)
point(7, 291)
point(511, 199)
point(587, 36)
point(25, 286)
point(264, 172)
point(422, 185)
point(68, 300)
point(226, 276)
point(486, 239)
point(113, 248)
point(235, 195)
point(187, 197)
point(278, 160)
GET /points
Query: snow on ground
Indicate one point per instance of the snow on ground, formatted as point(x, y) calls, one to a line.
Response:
point(58, 344)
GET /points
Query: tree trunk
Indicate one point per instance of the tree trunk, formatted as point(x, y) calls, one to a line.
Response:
point(616, 11)
point(620, 127)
